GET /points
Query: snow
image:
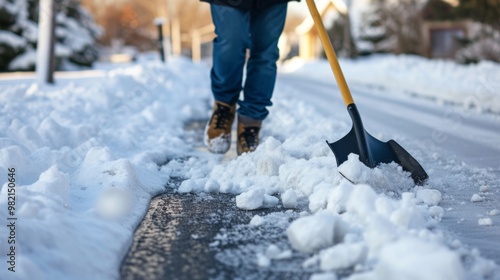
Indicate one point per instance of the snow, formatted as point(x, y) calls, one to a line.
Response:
point(257, 221)
point(76, 37)
point(25, 61)
point(12, 39)
point(308, 234)
point(289, 199)
point(472, 86)
point(85, 156)
point(263, 261)
point(484, 188)
point(159, 21)
point(251, 200)
point(342, 256)
point(429, 196)
point(273, 252)
point(476, 198)
point(91, 151)
point(427, 261)
point(323, 276)
point(485, 222)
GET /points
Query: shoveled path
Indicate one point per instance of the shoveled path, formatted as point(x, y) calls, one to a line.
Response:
point(205, 236)
point(176, 241)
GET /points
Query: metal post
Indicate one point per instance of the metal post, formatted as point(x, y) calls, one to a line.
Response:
point(45, 50)
point(159, 22)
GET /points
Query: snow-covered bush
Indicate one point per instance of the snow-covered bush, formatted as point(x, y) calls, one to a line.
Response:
point(482, 43)
point(389, 26)
point(76, 33)
point(396, 27)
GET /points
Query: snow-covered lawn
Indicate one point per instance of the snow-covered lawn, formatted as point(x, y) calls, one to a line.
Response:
point(90, 152)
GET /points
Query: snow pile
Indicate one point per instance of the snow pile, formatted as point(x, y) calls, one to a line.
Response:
point(361, 228)
point(352, 228)
point(427, 261)
point(472, 86)
point(86, 156)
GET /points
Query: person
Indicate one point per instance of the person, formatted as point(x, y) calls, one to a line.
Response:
point(255, 25)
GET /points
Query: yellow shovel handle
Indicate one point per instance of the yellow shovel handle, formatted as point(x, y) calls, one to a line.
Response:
point(330, 53)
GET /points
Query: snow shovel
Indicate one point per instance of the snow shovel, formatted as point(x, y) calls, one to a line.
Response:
point(371, 151)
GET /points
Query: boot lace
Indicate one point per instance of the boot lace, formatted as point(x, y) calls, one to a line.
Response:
point(222, 116)
point(250, 137)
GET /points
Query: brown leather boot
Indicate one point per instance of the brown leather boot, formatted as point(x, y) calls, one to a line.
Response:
point(217, 135)
point(248, 134)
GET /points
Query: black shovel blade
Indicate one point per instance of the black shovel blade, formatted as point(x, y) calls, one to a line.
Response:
point(373, 152)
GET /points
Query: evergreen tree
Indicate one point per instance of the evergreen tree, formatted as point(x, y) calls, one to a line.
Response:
point(373, 35)
point(482, 41)
point(392, 26)
point(75, 34)
point(484, 11)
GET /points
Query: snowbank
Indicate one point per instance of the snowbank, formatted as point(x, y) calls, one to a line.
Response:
point(85, 155)
point(472, 86)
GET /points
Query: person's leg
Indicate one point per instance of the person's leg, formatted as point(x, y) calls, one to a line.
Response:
point(232, 27)
point(265, 28)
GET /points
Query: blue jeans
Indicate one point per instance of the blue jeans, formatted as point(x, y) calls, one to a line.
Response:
point(237, 31)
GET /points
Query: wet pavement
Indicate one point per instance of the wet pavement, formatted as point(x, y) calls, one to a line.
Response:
point(205, 236)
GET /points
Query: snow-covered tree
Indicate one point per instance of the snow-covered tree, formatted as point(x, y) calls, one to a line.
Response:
point(338, 28)
point(391, 26)
point(372, 33)
point(482, 43)
point(484, 11)
point(76, 33)
point(483, 39)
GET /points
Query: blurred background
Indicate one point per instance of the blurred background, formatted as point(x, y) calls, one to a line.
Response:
point(89, 32)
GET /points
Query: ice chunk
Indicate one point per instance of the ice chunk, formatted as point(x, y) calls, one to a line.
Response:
point(270, 201)
point(411, 258)
point(212, 186)
point(289, 199)
point(257, 221)
point(262, 260)
point(362, 201)
point(408, 215)
point(311, 233)
point(485, 222)
point(430, 197)
point(187, 186)
point(342, 256)
point(476, 198)
point(436, 212)
point(52, 183)
point(251, 200)
point(337, 200)
point(484, 188)
point(318, 199)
